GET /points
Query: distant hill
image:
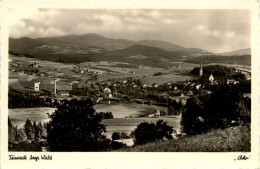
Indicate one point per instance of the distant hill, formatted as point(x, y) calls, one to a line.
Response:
point(96, 41)
point(195, 52)
point(161, 44)
point(242, 59)
point(240, 52)
point(23, 44)
point(142, 54)
point(94, 47)
point(88, 40)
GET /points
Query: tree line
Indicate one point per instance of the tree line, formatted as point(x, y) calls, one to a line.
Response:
point(220, 72)
point(29, 132)
point(225, 107)
point(22, 99)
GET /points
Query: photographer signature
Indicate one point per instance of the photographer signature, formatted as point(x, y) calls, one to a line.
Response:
point(242, 157)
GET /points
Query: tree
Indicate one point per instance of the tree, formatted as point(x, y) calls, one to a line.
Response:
point(11, 131)
point(20, 135)
point(192, 117)
point(74, 126)
point(225, 107)
point(35, 130)
point(38, 130)
point(174, 107)
point(28, 128)
point(115, 136)
point(149, 132)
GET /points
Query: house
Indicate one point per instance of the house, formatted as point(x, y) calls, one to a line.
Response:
point(107, 91)
point(46, 84)
point(37, 86)
point(34, 64)
point(64, 93)
point(198, 86)
point(155, 85)
point(207, 78)
point(135, 86)
point(232, 81)
point(110, 95)
point(183, 101)
point(63, 86)
point(80, 85)
point(157, 114)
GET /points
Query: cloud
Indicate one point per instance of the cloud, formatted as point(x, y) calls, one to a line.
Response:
point(213, 30)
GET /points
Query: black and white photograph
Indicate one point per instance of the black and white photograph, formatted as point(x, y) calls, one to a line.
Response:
point(129, 80)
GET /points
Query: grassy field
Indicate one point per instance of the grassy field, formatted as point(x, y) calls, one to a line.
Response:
point(164, 79)
point(123, 110)
point(128, 125)
point(18, 117)
point(228, 140)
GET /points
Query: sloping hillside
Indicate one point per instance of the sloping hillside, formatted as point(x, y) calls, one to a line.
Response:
point(94, 47)
point(242, 60)
point(23, 44)
point(237, 52)
point(142, 54)
point(161, 44)
point(88, 40)
point(228, 140)
point(194, 52)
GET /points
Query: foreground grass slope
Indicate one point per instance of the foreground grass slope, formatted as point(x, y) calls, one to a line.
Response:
point(228, 140)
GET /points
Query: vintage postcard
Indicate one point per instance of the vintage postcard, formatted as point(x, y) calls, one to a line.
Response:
point(129, 84)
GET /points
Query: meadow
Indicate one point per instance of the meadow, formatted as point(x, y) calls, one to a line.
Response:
point(123, 110)
point(228, 140)
point(19, 116)
point(128, 125)
point(118, 124)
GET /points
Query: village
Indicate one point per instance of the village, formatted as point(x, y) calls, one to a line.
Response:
point(53, 84)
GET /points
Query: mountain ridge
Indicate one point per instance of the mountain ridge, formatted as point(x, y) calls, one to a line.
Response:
point(94, 47)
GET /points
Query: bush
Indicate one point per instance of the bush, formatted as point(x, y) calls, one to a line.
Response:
point(117, 145)
point(107, 115)
point(115, 136)
point(149, 132)
point(119, 135)
point(158, 74)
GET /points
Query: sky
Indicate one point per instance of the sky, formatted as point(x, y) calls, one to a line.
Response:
point(213, 30)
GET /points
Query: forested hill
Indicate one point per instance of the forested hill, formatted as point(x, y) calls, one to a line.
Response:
point(242, 59)
point(220, 72)
point(94, 47)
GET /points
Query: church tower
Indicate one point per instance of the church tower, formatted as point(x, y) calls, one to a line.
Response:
point(201, 70)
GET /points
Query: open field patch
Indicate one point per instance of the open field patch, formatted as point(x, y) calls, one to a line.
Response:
point(18, 117)
point(127, 110)
point(128, 125)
